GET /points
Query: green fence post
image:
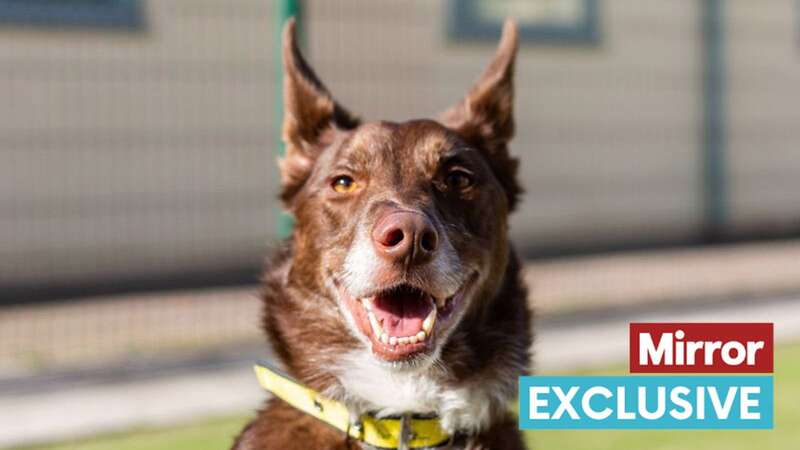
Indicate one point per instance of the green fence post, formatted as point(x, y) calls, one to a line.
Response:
point(715, 201)
point(285, 10)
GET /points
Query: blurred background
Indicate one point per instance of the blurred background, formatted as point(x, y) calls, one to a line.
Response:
point(660, 153)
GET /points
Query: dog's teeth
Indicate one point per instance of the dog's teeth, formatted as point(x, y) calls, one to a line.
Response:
point(427, 324)
point(367, 302)
point(440, 302)
point(373, 321)
point(384, 338)
point(376, 327)
point(421, 336)
point(402, 341)
point(392, 341)
point(413, 339)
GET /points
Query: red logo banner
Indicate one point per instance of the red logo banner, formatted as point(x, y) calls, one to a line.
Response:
point(701, 347)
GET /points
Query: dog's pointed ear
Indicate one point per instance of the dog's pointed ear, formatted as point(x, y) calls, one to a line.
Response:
point(485, 117)
point(310, 112)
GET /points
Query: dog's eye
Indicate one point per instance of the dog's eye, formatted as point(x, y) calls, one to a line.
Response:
point(458, 179)
point(344, 184)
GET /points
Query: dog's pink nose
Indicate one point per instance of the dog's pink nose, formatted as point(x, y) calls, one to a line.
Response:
point(405, 236)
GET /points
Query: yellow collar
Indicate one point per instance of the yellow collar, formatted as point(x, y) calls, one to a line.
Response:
point(389, 433)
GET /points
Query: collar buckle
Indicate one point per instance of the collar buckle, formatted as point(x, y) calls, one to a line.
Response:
point(354, 424)
point(406, 435)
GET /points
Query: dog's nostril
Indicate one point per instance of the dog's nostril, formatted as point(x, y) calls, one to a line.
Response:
point(394, 237)
point(428, 241)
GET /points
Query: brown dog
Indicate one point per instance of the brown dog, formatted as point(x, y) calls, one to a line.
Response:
point(399, 292)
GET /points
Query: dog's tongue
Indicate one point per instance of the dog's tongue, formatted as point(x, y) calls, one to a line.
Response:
point(402, 311)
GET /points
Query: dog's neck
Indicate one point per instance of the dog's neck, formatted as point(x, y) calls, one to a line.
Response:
point(463, 406)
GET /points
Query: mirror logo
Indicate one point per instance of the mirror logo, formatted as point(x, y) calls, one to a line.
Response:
point(666, 401)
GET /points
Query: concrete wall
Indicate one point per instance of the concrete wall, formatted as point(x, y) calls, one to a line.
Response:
point(763, 46)
point(128, 154)
point(142, 153)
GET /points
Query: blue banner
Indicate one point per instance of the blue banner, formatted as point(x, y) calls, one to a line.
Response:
point(646, 402)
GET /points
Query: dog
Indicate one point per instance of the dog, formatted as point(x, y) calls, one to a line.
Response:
point(398, 293)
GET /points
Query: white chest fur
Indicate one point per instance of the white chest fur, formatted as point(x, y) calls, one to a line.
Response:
point(371, 386)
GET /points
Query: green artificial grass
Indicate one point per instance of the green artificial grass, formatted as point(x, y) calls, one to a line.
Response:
point(218, 434)
point(215, 434)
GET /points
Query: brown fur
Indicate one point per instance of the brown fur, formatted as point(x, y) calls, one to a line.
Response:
point(399, 165)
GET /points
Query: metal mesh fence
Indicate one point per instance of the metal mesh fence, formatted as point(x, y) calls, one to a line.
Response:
point(141, 152)
point(132, 152)
point(144, 150)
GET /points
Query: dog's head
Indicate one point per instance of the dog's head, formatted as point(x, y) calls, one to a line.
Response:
point(404, 224)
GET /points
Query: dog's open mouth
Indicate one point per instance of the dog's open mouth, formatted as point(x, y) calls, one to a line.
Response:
point(400, 321)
